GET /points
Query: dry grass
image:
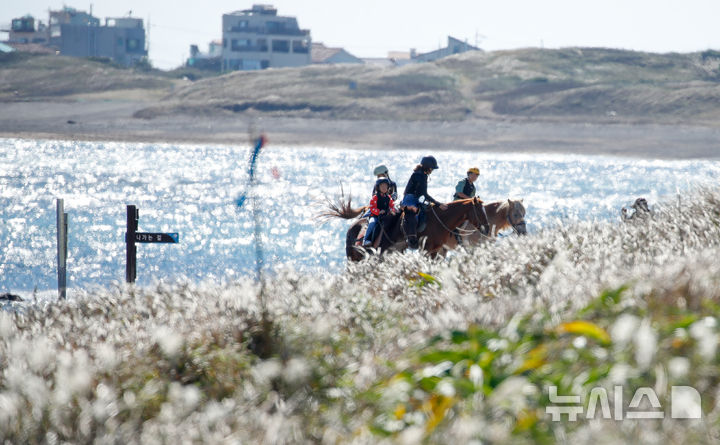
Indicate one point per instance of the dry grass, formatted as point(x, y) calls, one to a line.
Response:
point(30, 78)
point(385, 351)
point(571, 84)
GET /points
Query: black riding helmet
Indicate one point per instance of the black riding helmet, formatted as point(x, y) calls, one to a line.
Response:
point(429, 162)
point(381, 181)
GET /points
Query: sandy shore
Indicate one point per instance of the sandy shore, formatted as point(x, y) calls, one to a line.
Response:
point(111, 119)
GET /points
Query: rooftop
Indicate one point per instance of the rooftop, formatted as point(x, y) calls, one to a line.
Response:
point(258, 10)
point(321, 53)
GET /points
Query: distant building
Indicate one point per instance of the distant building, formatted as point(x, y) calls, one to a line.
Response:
point(258, 38)
point(24, 30)
point(322, 54)
point(454, 46)
point(402, 58)
point(382, 62)
point(120, 39)
point(79, 34)
point(68, 16)
point(211, 60)
point(401, 55)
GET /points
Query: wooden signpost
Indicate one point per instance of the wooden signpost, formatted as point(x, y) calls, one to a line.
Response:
point(132, 237)
point(62, 243)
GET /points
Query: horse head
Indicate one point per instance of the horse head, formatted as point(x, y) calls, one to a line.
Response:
point(516, 216)
point(477, 216)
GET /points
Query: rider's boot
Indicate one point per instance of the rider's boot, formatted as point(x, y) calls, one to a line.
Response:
point(412, 242)
point(457, 236)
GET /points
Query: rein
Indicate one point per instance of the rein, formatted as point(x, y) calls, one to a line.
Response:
point(486, 220)
point(384, 234)
point(458, 229)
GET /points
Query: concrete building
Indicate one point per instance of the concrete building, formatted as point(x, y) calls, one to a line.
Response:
point(67, 16)
point(27, 30)
point(454, 46)
point(258, 38)
point(325, 55)
point(211, 60)
point(120, 39)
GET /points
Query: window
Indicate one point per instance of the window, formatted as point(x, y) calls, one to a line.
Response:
point(224, 43)
point(120, 41)
point(274, 27)
point(262, 45)
point(133, 44)
point(249, 64)
point(301, 46)
point(240, 44)
point(233, 64)
point(281, 46)
point(240, 26)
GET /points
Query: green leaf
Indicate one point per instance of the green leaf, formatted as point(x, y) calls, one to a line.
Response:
point(444, 356)
point(458, 337)
point(428, 384)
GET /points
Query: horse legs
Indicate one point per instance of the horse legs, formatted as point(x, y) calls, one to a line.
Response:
point(353, 252)
point(409, 225)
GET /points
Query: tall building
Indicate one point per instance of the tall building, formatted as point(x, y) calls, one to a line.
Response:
point(258, 38)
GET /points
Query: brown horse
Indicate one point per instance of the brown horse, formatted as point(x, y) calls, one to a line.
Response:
point(389, 229)
point(500, 215)
point(439, 228)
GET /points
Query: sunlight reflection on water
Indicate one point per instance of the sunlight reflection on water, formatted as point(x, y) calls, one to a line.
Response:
point(192, 190)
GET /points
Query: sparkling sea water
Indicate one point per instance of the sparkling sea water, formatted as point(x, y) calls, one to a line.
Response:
point(193, 190)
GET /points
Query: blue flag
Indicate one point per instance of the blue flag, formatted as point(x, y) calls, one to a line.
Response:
point(251, 171)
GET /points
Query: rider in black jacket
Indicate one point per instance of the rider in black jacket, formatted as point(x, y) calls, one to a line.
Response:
point(417, 187)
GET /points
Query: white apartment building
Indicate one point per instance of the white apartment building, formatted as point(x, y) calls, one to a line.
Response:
point(258, 38)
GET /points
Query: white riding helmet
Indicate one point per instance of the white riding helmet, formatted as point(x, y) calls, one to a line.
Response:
point(380, 170)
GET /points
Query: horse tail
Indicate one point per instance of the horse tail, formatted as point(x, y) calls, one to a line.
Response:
point(342, 208)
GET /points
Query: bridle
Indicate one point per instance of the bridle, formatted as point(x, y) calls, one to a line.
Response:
point(515, 226)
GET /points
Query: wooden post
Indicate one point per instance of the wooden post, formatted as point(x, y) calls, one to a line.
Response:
point(62, 242)
point(131, 250)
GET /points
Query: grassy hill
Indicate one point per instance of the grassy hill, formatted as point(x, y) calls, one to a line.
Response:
point(565, 84)
point(26, 77)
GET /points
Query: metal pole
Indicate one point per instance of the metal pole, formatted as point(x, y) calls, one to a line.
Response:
point(131, 250)
point(259, 260)
point(62, 241)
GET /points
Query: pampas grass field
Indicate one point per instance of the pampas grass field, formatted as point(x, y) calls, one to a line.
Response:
point(405, 349)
